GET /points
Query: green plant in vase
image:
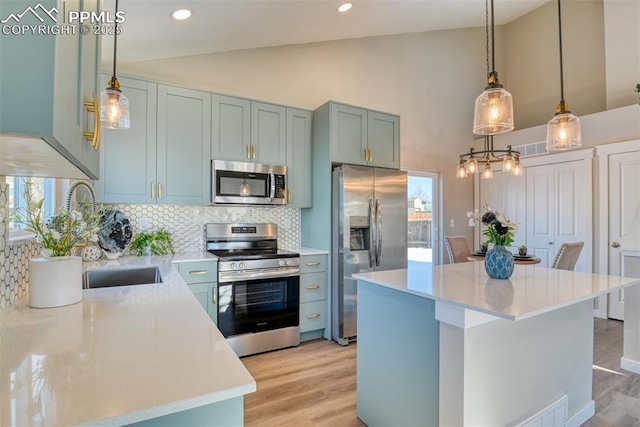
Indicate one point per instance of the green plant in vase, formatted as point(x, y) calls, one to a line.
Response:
point(154, 243)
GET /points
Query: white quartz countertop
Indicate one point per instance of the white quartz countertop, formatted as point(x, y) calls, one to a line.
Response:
point(530, 291)
point(122, 355)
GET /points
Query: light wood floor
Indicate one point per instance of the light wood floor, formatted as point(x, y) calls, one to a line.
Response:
point(315, 385)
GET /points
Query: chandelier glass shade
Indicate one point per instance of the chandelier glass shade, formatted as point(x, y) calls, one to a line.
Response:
point(563, 130)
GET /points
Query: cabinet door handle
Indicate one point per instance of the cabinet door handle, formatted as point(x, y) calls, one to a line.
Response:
point(313, 264)
point(370, 155)
point(253, 151)
point(366, 154)
point(214, 298)
point(248, 151)
point(153, 190)
point(313, 316)
point(288, 196)
point(159, 191)
point(198, 272)
point(313, 287)
point(93, 107)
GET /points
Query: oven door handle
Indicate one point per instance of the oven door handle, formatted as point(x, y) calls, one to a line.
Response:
point(233, 276)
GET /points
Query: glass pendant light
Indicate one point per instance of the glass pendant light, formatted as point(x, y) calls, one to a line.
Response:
point(114, 105)
point(563, 130)
point(493, 113)
point(508, 163)
point(517, 167)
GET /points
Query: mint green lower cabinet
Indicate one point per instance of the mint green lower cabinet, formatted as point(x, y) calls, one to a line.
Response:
point(202, 279)
point(206, 294)
point(220, 414)
point(314, 295)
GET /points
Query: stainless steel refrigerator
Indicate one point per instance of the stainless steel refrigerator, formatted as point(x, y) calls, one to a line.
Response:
point(369, 233)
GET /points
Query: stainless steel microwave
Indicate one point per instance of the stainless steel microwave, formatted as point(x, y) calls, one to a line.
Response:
point(248, 183)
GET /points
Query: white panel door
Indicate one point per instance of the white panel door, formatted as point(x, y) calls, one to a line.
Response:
point(623, 199)
point(558, 210)
point(540, 213)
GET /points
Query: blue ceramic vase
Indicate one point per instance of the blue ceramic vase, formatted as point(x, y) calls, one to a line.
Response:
point(498, 262)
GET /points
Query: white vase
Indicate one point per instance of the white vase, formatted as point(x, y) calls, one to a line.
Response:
point(55, 281)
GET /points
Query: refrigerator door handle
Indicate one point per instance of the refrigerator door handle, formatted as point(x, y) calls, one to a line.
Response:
point(378, 231)
point(373, 233)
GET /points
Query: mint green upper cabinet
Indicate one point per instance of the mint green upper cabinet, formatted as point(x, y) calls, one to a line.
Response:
point(183, 148)
point(230, 128)
point(128, 157)
point(348, 134)
point(362, 137)
point(383, 139)
point(46, 78)
point(165, 156)
point(268, 133)
point(299, 157)
point(247, 131)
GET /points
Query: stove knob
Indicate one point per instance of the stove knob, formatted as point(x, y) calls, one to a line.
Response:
point(241, 265)
point(289, 262)
point(232, 265)
point(281, 263)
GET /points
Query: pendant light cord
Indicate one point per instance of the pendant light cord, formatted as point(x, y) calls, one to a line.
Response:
point(115, 41)
point(486, 28)
point(561, 68)
point(493, 44)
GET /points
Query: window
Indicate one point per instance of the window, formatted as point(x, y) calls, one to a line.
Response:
point(42, 188)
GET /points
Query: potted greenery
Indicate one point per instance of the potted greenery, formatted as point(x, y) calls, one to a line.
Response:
point(153, 243)
point(522, 250)
point(56, 278)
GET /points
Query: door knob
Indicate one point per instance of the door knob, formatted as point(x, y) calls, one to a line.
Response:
point(615, 244)
point(551, 243)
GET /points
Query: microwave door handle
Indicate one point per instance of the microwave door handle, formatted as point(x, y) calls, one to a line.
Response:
point(272, 178)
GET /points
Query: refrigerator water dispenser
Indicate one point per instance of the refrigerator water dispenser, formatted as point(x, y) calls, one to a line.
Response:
point(360, 233)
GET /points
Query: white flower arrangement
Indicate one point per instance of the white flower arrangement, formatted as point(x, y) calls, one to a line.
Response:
point(58, 234)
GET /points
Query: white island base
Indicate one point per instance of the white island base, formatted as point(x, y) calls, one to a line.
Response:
point(452, 347)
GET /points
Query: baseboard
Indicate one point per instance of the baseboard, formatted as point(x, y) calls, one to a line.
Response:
point(630, 365)
point(583, 415)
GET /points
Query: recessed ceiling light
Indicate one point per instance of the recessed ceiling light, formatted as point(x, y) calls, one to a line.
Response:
point(344, 7)
point(181, 14)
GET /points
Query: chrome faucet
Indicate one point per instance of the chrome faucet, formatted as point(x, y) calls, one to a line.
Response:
point(89, 187)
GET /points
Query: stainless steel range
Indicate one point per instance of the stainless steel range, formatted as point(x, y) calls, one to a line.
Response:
point(258, 287)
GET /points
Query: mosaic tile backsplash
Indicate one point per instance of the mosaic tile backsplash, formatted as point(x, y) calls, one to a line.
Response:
point(186, 223)
point(14, 257)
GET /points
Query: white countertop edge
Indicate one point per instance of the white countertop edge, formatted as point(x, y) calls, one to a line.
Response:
point(488, 311)
point(174, 407)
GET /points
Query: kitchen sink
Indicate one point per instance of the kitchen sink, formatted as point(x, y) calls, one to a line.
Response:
point(107, 277)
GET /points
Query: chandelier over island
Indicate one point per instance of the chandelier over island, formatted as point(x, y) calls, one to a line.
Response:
point(493, 115)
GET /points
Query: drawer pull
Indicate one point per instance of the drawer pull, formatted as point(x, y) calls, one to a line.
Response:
point(313, 264)
point(313, 316)
point(313, 287)
point(198, 272)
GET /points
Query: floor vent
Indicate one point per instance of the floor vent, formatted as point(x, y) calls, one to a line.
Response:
point(553, 415)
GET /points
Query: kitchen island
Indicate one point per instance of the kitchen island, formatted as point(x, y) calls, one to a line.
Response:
point(446, 345)
point(145, 354)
